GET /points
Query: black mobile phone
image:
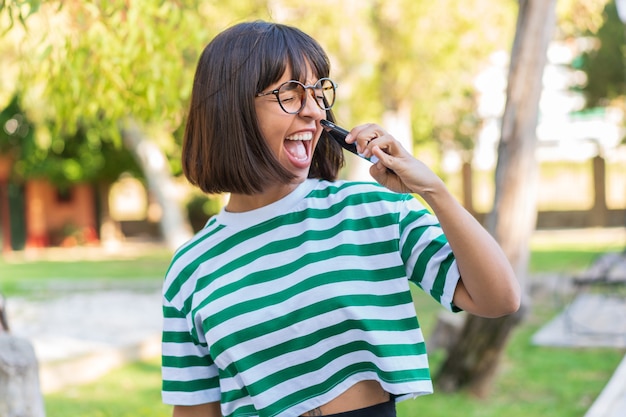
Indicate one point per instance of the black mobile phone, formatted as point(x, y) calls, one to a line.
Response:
point(339, 134)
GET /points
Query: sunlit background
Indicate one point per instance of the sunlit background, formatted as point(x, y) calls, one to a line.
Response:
point(93, 99)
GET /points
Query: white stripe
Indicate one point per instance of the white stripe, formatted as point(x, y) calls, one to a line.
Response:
point(230, 407)
point(173, 324)
point(286, 360)
point(320, 293)
point(180, 350)
point(431, 270)
point(190, 398)
point(190, 373)
point(309, 326)
point(360, 237)
point(195, 248)
point(313, 296)
point(334, 265)
point(277, 392)
point(452, 279)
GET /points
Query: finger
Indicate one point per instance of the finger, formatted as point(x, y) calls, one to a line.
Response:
point(364, 134)
point(382, 156)
point(389, 146)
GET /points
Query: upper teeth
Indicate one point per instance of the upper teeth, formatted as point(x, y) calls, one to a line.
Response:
point(301, 136)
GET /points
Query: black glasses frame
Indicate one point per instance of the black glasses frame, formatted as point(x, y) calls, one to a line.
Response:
point(318, 85)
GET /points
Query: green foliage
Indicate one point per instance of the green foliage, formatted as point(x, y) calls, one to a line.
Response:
point(16, 130)
point(86, 66)
point(200, 208)
point(17, 9)
point(579, 17)
point(82, 156)
point(605, 65)
point(119, 60)
point(406, 54)
point(89, 65)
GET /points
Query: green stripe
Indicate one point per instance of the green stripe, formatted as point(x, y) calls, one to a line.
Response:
point(176, 337)
point(284, 220)
point(191, 335)
point(242, 365)
point(335, 188)
point(177, 283)
point(312, 282)
point(191, 386)
point(185, 361)
point(415, 234)
point(277, 246)
point(245, 411)
point(424, 257)
point(297, 397)
point(286, 374)
point(302, 314)
point(316, 390)
point(440, 281)
point(280, 246)
point(237, 244)
point(172, 313)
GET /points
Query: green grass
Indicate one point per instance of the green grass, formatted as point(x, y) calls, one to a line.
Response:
point(532, 380)
point(572, 252)
point(563, 261)
point(131, 391)
point(24, 277)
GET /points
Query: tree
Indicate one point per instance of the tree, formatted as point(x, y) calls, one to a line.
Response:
point(410, 65)
point(89, 69)
point(106, 65)
point(605, 65)
point(472, 362)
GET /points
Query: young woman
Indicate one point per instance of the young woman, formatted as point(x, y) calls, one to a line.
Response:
point(294, 299)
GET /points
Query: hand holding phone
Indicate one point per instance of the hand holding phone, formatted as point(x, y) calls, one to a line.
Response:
point(339, 134)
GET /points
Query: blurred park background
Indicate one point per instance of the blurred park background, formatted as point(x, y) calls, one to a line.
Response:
point(93, 98)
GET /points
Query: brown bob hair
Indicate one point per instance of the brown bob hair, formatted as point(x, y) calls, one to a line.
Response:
point(223, 148)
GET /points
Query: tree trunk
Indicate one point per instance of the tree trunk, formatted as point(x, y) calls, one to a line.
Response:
point(472, 363)
point(599, 209)
point(468, 187)
point(110, 230)
point(20, 395)
point(174, 224)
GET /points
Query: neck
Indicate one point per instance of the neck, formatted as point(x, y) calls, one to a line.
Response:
point(239, 203)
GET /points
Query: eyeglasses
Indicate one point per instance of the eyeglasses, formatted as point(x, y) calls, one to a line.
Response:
point(292, 95)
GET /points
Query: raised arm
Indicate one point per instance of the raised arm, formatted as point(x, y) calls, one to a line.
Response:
point(488, 285)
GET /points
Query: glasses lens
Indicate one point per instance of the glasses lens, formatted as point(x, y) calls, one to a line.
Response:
point(290, 96)
point(325, 93)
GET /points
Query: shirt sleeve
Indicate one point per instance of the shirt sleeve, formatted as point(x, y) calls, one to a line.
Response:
point(426, 253)
point(190, 377)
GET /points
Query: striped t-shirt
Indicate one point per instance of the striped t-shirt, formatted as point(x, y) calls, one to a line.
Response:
point(276, 311)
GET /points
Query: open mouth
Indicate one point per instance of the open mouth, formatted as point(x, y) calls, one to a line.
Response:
point(298, 146)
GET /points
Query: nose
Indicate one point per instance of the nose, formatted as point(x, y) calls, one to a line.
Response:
point(311, 108)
